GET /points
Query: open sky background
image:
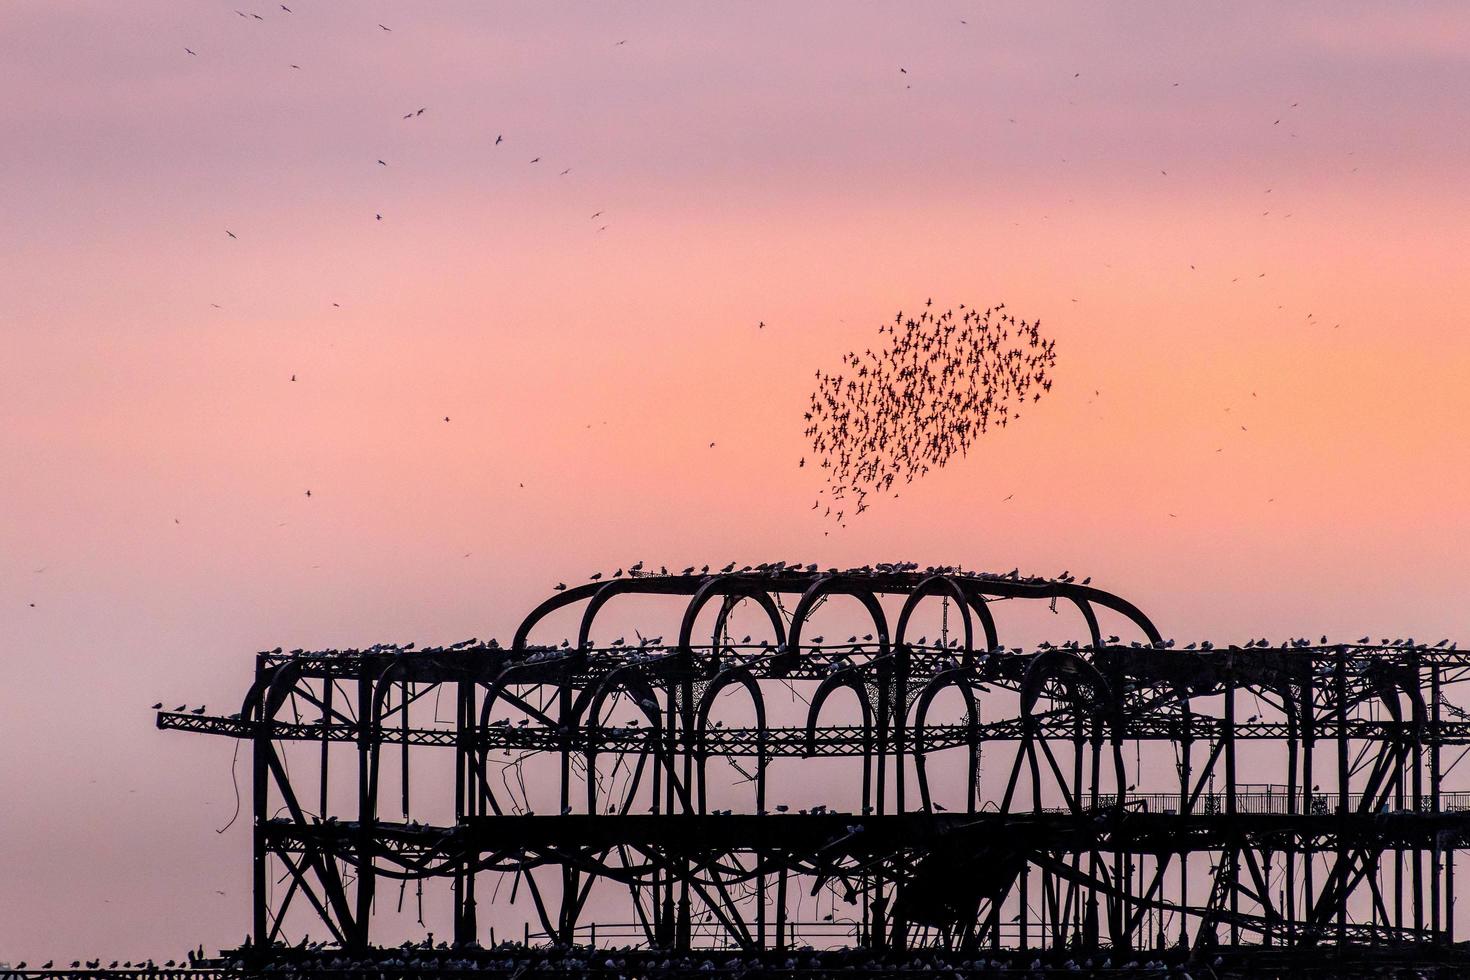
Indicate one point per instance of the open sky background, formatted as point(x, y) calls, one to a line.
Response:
point(1246, 225)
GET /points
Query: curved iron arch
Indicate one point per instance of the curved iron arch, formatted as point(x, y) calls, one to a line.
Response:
point(835, 585)
point(654, 585)
point(1072, 671)
point(964, 679)
point(628, 678)
point(937, 585)
point(722, 680)
point(728, 586)
point(481, 755)
point(1078, 594)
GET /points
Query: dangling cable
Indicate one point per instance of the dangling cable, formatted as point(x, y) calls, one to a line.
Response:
point(237, 790)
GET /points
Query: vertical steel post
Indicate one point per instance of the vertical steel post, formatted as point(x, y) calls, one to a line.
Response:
point(1293, 735)
point(1186, 769)
point(1309, 741)
point(1435, 776)
point(1230, 802)
point(1417, 775)
point(1343, 777)
point(366, 808)
point(328, 685)
point(260, 797)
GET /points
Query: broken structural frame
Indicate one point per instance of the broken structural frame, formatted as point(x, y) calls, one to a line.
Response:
point(1059, 850)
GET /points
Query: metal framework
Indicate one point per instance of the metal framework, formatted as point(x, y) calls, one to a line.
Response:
point(983, 796)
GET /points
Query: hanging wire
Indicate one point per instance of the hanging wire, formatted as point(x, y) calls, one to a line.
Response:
point(236, 782)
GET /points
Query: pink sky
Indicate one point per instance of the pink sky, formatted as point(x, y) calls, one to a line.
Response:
point(1110, 169)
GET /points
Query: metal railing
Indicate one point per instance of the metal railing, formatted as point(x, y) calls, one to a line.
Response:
point(1275, 798)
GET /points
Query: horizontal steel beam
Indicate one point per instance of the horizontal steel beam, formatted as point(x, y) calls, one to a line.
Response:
point(830, 740)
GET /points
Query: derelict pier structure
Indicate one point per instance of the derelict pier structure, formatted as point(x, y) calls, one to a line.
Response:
point(1103, 789)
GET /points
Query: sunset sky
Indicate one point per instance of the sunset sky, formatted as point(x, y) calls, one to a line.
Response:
point(1247, 226)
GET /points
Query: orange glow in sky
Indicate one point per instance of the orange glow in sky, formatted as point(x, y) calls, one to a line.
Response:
point(1245, 225)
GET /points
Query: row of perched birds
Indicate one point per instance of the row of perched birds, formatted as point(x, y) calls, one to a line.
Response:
point(637, 570)
point(657, 642)
point(937, 383)
point(1295, 642)
point(389, 648)
point(651, 649)
point(637, 650)
point(516, 959)
point(648, 648)
point(190, 960)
